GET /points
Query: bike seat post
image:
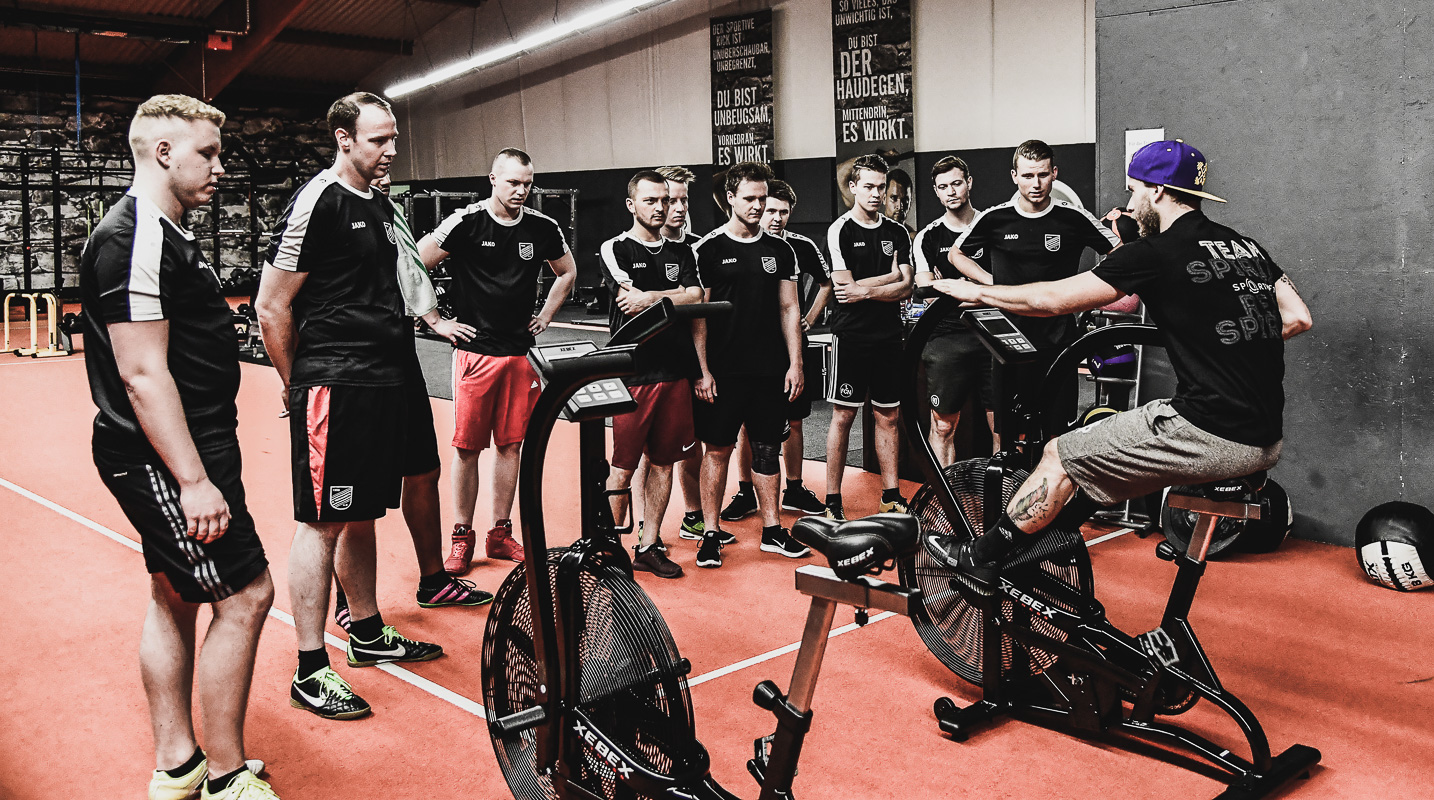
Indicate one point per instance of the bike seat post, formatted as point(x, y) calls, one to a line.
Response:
point(809, 657)
point(1201, 537)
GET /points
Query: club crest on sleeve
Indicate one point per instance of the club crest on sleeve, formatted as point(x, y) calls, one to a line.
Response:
point(388, 231)
point(670, 270)
point(887, 248)
point(1053, 242)
point(341, 497)
point(769, 265)
point(525, 251)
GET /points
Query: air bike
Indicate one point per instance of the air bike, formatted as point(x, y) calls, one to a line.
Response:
point(585, 689)
point(1040, 647)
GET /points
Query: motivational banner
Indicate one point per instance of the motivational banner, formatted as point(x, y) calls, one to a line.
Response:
point(871, 49)
point(742, 88)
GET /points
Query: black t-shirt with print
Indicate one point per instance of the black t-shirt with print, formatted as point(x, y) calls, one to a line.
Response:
point(495, 266)
point(929, 253)
point(1028, 248)
point(661, 266)
point(140, 266)
point(748, 273)
point(1211, 292)
point(868, 251)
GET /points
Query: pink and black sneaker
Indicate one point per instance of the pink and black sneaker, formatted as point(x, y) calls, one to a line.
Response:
point(457, 592)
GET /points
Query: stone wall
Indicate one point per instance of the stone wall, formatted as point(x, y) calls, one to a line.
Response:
point(285, 145)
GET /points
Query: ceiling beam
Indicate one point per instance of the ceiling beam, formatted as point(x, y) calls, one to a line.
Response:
point(463, 3)
point(342, 41)
point(193, 70)
point(163, 29)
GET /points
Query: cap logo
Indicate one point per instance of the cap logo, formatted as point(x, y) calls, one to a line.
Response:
point(1199, 173)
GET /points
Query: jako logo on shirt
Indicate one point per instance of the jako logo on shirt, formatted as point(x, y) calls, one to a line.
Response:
point(1053, 242)
point(341, 497)
point(525, 251)
point(769, 265)
point(670, 270)
point(1011, 236)
point(887, 248)
point(358, 225)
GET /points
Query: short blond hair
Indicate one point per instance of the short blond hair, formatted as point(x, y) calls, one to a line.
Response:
point(677, 174)
point(170, 106)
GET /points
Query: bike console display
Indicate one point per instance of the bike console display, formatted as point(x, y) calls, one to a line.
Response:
point(1000, 335)
point(602, 398)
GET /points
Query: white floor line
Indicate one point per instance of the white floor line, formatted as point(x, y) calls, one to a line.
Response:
point(442, 693)
point(575, 326)
point(33, 361)
point(1112, 535)
point(780, 651)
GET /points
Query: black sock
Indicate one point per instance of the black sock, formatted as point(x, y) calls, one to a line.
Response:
point(187, 766)
point(998, 541)
point(340, 599)
point(368, 629)
point(834, 500)
point(692, 516)
point(745, 487)
point(793, 484)
point(890, 495)
point(437, 580)
point(219, 784)
point(311, 661)
point(771, 530)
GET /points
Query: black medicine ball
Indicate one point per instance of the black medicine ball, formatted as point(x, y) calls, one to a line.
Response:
point(1395, 544)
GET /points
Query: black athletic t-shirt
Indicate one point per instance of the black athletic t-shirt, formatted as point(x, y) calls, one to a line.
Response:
point(811, 264)
point(868, 251)
point(929, 251)
point(658, 267)
point(748, 273)
point(140, 266)
point(1028, 248)
point(352, 325)
point(495, 265)
point(1212, 292)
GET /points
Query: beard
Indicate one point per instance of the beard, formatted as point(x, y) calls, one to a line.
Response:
point(1147, 219)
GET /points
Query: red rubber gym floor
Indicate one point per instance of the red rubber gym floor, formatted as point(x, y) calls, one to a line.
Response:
point(1322, 656)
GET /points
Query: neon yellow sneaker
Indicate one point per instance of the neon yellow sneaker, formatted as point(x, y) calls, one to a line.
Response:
point(187, 786)
point(898, 505)
point(247, 786)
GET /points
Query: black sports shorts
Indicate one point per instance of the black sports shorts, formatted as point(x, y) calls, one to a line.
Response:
point(957, 364)
point(755, 401)
point(352, 445)
point(813, 381)
point(862, 370)
point(149, 497)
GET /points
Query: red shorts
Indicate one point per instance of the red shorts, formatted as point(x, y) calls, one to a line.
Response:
point(661, 426)
point(493, 396)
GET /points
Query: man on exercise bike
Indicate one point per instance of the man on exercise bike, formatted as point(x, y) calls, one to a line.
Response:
point(1225, 308)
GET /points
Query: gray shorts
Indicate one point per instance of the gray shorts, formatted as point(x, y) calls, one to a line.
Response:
point(1148, 448)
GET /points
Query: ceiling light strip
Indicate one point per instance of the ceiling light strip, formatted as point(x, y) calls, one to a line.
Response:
point(527, 44)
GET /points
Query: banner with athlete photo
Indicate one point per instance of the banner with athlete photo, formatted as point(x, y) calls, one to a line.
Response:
point(871, 55)
point(742, 89)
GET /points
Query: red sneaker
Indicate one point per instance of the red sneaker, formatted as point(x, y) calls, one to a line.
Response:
point(460, 558)
point(501, 543)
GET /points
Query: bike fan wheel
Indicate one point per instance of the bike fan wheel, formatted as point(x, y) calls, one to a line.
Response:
point(633, 683)
point(947, 622)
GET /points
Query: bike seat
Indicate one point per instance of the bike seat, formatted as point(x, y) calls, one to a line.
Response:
point(856, 547)
point(1237, 498)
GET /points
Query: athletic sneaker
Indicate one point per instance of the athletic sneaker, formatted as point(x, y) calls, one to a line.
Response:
point(691, 528)
point(802, 499)
point(163, 786)
point(743, 505)
point(501, 544)
point(710, 553)
point(246, 786)
point(699, 531)
point(898, 505)
point(342, 617)
point(457, 592)
point(833, 512)
point(957, 556)
point(782, 543)
point(390, 646)
point(328, 695)
point(460, 558)
point(654, 559)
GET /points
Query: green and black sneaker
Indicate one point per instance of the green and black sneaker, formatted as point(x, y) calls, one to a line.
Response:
point(328, 695)
point(390, 646)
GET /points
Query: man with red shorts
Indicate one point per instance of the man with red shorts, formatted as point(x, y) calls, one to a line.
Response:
point(496, 249)
point(642, 267)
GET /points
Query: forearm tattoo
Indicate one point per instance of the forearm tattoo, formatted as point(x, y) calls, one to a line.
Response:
point(1032, 504)
point(1285, 279)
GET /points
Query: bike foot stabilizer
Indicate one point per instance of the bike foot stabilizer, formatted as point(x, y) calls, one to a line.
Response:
point(1284, 769)
point(780, 761)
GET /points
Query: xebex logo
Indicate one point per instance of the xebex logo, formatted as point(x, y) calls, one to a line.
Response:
point(600, 748)
point(1026, 600)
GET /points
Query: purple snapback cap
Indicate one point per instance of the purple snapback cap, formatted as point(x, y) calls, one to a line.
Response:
point(1174, 165)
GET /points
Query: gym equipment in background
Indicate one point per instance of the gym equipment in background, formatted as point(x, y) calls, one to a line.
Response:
point(1040, 645)
point(1395, 544)
point(1262, 535)
point(585, 689)
point(56, 340)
